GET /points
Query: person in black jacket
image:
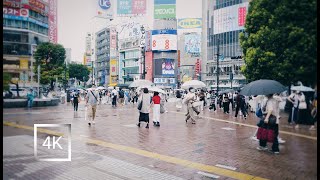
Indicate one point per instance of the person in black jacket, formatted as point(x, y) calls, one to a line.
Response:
point(240, 104)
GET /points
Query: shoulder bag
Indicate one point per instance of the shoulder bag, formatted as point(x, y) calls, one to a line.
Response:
point(140, 104)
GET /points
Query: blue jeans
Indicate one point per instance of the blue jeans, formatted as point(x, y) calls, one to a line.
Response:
point(30, 102)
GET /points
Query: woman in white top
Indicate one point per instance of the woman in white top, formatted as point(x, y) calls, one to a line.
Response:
point(270, 109)
point(303, 113)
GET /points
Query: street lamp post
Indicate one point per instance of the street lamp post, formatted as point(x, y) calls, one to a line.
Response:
point(218, 44)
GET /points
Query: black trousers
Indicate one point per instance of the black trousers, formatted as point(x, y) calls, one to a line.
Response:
point(275, 145)
point(114, 101)
point(226, 107)
point(75, 106)
point(243, 110)
point(212, 106)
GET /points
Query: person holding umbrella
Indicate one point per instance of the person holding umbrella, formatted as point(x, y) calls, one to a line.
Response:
point(189, 100)
point(268, 110)
point(144, 104)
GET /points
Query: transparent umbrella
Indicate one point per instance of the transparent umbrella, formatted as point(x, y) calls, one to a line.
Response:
point(302, 88)
point(193, 83)
point(140, 83)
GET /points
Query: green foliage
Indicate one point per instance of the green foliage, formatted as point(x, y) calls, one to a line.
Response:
point(78, 71)
point(6, 81)
point(280, 41)
point(51, 59)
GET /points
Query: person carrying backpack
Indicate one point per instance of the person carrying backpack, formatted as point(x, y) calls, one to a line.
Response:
point(121, 96)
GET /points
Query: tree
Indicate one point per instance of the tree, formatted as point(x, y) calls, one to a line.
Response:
point(51, 59)
point(78, 71)
point(6, 81)
point(280, 41)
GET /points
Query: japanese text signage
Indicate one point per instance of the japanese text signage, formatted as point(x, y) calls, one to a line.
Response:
point(148, 46)
point(164, 9)
point(164, 40)
point(12, 3)
point(52, 17)
point(131, 7)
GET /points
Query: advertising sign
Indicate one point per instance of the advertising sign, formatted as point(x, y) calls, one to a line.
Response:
point(12, 3)
point(164, 40)
point(164, 80)
point(189, 23)
point(52, 19)
point(168, 67)
point(192, 44)
point(131, 7)
point(104, 8)
point(230, 18)
point(148, 46)
point(36, 5)
point(198, 67)
point(149, 68)
point(113, 72)
point(164, 11)
point(88, 45)
point(178, 59)
point(164, 2)
point(24, 64)
point(113, 38)
point(129, 30)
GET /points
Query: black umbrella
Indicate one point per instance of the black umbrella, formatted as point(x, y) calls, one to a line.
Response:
point(262, 87)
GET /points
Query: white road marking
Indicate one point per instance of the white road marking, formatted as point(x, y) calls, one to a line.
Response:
point(226, 167)
point(208, 175)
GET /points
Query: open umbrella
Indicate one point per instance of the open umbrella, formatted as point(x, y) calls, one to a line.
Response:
point(156, 89)
point(193, 83)
point(262, 87)
point(302, 88)
point(141, 82)
point(100, 88)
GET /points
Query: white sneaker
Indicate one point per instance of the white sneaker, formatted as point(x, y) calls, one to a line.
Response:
point(281, 141)
point(254, 138)
point(260, 148)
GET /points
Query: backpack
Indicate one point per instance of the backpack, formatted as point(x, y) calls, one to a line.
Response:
point(121, 94)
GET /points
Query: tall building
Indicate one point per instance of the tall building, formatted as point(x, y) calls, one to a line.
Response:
point(225, 21)
point(25, 25)
point(68, 55)
point(102, 67)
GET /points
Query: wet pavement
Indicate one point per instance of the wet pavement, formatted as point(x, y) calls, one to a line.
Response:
point(217, 146)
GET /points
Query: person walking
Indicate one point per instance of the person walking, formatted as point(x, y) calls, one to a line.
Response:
point(30, 97)
point(126, 97)
point(314, 111)
point(303, 114)
point(294, 99)
point(278, 99)
point(114, 94)
point(91, 103)
point(121, 97)
point(156, 109)
point(231, 100)
point(178, 100)
point(76, 100)
point(212, 99)
point(240, 104)
point(225, 104)
point(145, 99)
point(189, 100)
point(202, 97)
point(269, 110)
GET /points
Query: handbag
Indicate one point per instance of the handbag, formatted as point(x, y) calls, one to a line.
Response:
point(140, 104)
point(162, 109)
point(259, 111)
point(262, 133)
point(270, 135)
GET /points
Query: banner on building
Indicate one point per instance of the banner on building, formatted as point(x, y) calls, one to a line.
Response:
point(131, 7)
point(189, 23)
point(149, 63)
point(104, 8)
point(52, 21)
point(113, 38)
point(16, 12)
point(230, 18)
point(178, 58)
point(88, 45)
point(24, 64)
point(148, 45)
point(113, 72)
point(157, 2)
point(12, 4)
point(197, 67)
point(164, 11)
point(168, 67)
point(192, 44)
point(164, 40)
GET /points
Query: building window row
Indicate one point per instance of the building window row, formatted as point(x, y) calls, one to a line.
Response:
point(25, 25)
point(225, 3)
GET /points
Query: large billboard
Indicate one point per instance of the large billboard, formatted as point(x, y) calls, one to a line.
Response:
point(164, 40)
point(164, 11)
point(164, 67)
point(113, 72)
point(104, 8)
point(52, 19)
point(192, 44)
point(189, 23)
point(230, 18)
point(149, 67)
point(131, 7)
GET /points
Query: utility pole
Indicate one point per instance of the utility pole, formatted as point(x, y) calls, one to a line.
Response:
point(92, 73)
point(39, 81)
point(144, 63)
point(65, 77)
point(218, 44)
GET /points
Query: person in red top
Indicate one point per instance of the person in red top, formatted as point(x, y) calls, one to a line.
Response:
point(156, 109)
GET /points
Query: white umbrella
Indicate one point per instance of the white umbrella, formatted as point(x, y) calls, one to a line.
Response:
point(141, 82)
point(302, 88)
point(156, 89)
point(143, 86)
point(100, 88)
point(193, 83)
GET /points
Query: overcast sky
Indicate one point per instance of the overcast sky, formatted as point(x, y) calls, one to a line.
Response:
point(75, 19)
